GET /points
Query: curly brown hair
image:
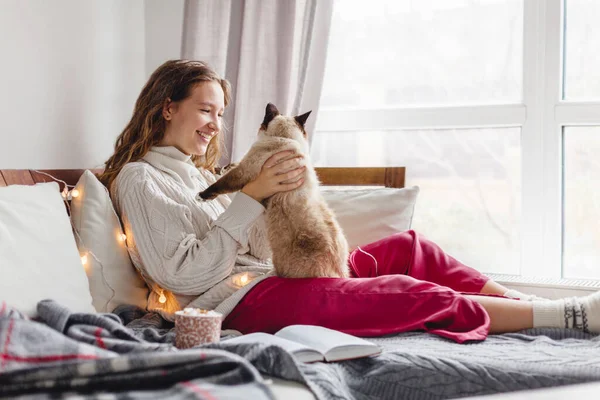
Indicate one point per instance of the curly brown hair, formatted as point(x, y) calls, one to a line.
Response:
point(173, 80)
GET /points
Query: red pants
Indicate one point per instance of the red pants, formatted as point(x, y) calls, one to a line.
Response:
point(414, 286)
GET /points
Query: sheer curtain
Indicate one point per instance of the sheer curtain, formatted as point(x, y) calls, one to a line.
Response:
point(270, 50)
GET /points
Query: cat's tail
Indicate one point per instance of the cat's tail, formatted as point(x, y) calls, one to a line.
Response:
point(370, 255)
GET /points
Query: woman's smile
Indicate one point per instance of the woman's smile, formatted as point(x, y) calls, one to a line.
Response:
point(206, 136)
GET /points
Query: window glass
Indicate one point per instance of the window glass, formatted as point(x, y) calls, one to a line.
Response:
point(581, 214)
point(424, 52)
point(581, 55)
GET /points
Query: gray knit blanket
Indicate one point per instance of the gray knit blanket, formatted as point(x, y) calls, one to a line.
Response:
point(129, 354)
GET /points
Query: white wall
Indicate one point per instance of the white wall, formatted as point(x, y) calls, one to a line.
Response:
point(70, 72)
point(164, 28)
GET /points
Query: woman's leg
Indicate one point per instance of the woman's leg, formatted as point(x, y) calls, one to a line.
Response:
point(492, 287)
point(409, 253)
point(506, 315)
point(360, 306)
point(509, 315)
point(398, 303)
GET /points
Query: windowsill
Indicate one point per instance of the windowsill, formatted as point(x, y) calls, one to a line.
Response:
point(547, 287)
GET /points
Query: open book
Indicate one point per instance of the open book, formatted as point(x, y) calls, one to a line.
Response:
point(311, 343)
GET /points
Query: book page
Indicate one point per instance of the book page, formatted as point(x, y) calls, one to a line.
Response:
point(335, 345)
point(300, 351)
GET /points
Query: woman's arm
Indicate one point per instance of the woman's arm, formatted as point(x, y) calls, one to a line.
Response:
point(164, 236)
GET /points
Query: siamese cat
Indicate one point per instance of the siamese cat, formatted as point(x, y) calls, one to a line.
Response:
point(305, 238)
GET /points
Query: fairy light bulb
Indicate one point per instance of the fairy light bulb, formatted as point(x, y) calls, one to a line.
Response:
point(122, 237)
point(84, 259)
point(244, 279)
point(162, 299)
point(74, 193)
point(65, 193)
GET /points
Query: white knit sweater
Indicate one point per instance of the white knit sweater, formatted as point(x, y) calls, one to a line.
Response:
point(207, 254)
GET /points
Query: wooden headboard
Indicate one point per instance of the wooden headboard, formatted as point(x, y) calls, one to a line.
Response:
point(30, 177)
point(388, 177)
point(392, 177)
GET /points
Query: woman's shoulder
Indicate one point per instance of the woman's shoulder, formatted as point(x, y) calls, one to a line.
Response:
point(136, 177)
point(133, 172)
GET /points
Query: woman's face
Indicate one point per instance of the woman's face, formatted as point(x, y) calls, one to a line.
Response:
point(192, 123)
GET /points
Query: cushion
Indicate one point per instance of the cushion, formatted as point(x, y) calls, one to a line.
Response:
point(367, 215)
point(112, 277)
point(38, 256)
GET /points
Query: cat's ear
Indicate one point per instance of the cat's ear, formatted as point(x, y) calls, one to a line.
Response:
point(302, 118)
point(270, 113)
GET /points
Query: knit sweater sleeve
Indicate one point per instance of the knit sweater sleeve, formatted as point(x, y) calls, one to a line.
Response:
point(172, 254)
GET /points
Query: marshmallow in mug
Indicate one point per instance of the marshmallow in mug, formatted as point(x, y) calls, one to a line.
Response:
point(195, 326)
point(198, 311)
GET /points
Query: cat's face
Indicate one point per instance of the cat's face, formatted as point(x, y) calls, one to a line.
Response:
point(277, 125)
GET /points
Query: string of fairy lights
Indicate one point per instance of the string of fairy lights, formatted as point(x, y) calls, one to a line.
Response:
point(68, 193)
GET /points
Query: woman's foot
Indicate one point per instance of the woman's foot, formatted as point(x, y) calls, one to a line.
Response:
point(515, 294)
point(582, 313)
point(492, 287)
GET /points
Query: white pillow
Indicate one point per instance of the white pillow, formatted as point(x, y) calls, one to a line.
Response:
point(367, 215)
point(38, 255)
point(113, 279)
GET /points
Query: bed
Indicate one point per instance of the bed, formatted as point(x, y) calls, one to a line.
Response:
point(129, 353)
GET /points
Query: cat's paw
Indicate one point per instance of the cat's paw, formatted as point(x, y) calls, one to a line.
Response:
point(204, 196)
point(220, 171)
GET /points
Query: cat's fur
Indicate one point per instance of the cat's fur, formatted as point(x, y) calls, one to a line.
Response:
point(305, 238)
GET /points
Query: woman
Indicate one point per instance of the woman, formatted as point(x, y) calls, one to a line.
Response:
point(215, 254)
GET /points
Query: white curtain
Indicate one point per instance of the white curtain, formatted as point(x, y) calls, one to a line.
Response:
point(270, 50)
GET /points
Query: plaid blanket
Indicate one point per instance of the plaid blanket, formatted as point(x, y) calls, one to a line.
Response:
point(129, 354)
point(66, 353)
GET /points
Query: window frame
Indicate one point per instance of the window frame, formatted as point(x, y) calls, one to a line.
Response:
point(541, 116)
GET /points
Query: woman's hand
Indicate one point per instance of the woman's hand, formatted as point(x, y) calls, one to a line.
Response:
point(276, 176)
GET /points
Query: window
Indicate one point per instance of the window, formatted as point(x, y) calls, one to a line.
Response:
point(581, 44)
point(484, 102)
